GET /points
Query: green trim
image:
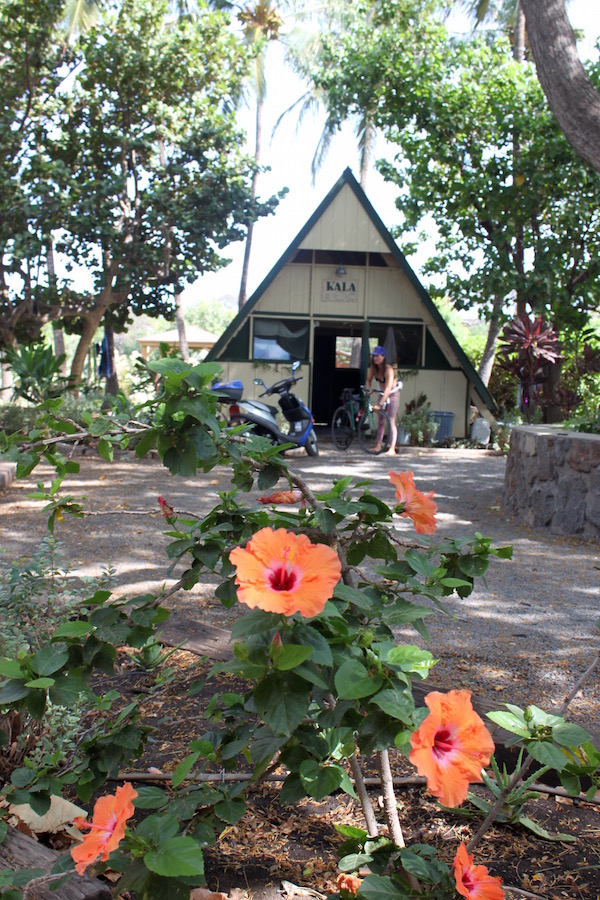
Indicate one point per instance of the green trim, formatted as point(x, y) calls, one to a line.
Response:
point(348, 178)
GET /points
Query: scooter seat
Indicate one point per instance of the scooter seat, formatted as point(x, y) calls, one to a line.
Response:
point(264, 407)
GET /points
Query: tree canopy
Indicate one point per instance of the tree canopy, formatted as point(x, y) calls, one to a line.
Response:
point(127, 165)
point(516, 209)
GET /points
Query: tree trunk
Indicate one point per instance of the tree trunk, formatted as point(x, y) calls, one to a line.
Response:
point(183, 344)
point(6, 383)
point(366, 152)
point(248, 248)
point(553, 412)
point(57, 331)
point(59, 345)
point(91, 324)
point(489, 354)
point(569, 91)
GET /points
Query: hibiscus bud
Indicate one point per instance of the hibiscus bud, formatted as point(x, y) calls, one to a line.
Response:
point(167, 510)
point(348, 885)
point(275, 645)
point(280, 497)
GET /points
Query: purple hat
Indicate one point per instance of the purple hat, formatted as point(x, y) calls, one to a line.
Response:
point(379, 351)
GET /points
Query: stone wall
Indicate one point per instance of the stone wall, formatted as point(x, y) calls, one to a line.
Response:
point(553, 479)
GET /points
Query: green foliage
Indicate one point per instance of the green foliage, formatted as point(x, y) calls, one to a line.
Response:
point(516, 211)
point(133, 167)
point(37, 372)
point(418, 421)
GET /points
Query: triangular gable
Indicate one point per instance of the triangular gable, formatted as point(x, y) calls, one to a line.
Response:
point(319, 227)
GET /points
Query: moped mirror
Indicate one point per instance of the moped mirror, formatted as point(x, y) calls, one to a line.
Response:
point(295, 365)
point(259, 381)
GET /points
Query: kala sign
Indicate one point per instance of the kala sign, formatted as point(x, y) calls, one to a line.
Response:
point(336, 290)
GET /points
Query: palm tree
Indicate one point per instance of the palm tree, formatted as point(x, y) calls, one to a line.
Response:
point(261, 23)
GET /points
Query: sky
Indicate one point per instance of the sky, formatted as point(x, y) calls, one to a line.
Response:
point(289, 153)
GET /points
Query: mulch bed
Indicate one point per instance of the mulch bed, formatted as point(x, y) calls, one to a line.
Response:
point(274, 843)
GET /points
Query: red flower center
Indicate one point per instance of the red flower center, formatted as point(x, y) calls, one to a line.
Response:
point(282, 580)
point(467, 880)
point(442, 743)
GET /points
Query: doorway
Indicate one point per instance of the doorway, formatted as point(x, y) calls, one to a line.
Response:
point(336, 365)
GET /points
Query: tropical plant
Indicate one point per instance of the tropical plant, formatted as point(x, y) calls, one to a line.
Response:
point(37, 372)
point(529, 348)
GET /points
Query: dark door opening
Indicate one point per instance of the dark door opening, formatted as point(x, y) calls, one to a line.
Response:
point(336, 365)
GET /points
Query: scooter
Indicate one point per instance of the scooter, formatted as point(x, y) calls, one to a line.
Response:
point(263, 417)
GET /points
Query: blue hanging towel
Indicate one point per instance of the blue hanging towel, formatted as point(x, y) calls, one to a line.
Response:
point(104, 369)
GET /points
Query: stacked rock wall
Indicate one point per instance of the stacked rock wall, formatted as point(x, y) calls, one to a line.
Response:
point(553, 479)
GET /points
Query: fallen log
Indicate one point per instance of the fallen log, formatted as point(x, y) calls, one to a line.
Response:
point(18, 851)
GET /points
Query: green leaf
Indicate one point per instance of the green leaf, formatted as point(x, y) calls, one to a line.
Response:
point(541, 832)
point(326, 520)
point(175, 857)
point(183, 769)
point(353, 596)
point(150, 797)
point(11, 691)
point(395, 703)
point(49, 660)
point(353, 681)
point(73, 630)
point(10, 668)
point(547, 754)
point(380, 887)
point(320, 781)
point(268, 477)
point(570, 735)
point(43, 683)
point(353, 861)
point(288, 656)
point(231, 809)
point(306, 634)
point(146, 442)
point(106, 449)
point(282, 700)
point(409, 658)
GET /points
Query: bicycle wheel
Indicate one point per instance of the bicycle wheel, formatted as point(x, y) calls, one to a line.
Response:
point(342, 431)
point(371, 424)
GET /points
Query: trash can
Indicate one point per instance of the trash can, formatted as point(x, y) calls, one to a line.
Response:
point(444, 422)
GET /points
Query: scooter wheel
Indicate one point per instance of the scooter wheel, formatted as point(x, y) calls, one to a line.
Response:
point(312, 448)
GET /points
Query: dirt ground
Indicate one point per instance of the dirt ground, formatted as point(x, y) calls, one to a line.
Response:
point(523, 636)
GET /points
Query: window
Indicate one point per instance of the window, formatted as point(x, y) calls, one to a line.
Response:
point(347, 352)
point(280, 339)
point(404, 343)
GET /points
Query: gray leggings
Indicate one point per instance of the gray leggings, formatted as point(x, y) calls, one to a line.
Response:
point(392, 411)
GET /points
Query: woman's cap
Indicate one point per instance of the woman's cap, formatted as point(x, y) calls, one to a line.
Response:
point(379, 351)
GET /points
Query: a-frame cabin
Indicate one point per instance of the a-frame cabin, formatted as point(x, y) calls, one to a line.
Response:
point(340, 288)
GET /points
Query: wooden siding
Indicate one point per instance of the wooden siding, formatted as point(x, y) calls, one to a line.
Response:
point(446, 391)
point(392, 296)
point(345, 226)
point(289, 293)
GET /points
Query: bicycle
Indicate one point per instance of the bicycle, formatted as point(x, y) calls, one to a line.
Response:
point(357, 416)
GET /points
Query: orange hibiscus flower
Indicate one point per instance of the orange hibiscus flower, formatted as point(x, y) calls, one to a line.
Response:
point(474, 882)
point(451, 746)
point(106, 828)
point(282, 572)
point(282, 497)
point(417, 506)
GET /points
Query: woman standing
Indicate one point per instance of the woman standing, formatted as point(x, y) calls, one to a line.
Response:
point(383, 373)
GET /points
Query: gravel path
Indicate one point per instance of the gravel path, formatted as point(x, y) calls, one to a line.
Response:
point(524, 635)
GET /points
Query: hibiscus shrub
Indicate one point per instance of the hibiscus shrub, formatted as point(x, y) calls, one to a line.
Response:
point(326, 579)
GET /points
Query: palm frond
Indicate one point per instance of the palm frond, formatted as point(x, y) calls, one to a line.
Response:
point(80, 15)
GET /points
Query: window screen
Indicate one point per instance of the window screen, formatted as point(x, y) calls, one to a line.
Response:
point(280, 339)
